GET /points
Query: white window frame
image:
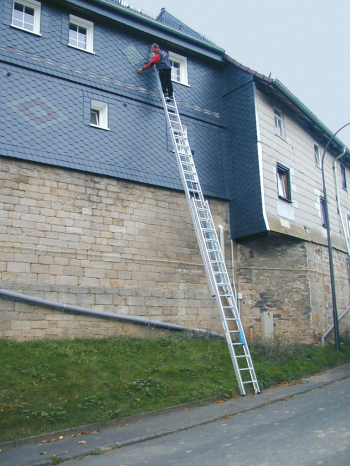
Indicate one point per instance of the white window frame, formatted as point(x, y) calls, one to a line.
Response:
point(89, 33)
point(279, 124)
point(284, 187)
point(183, 68)
point(343, 178)
point(102, 109)
point(317, 155)
point(37, 15)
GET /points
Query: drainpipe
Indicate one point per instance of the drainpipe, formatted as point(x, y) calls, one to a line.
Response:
point(338, 199)
point(6, 294)
point(222, 245)
point(233, 274)
point(222, 241)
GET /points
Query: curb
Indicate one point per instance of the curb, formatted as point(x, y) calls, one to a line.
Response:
point(299, 389)
point(99, 425)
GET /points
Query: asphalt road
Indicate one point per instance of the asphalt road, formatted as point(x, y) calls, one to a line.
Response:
point(309, 429)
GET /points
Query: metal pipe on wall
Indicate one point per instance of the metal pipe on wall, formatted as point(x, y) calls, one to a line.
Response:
point(222, 241)
point(338, 199)
point(6, 294)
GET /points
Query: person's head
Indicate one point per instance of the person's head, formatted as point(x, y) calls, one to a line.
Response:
point(154, 47)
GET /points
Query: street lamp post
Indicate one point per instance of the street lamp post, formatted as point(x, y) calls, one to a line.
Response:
point(330, 253)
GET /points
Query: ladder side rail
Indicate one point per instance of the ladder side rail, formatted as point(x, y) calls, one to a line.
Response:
point(234, 309)
point(178, 155)
point(203, 249)
point(181, 141)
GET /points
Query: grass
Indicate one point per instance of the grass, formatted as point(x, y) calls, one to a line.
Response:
point(52, 385)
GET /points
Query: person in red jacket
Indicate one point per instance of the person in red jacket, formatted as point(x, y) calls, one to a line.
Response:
point(162, 62)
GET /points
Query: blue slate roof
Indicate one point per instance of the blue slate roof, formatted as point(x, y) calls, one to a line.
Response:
point(170, 20)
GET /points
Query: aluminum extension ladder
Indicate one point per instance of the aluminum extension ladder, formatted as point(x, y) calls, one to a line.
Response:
point(215, 267)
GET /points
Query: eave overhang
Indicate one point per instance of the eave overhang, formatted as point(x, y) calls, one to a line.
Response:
point(148, 26)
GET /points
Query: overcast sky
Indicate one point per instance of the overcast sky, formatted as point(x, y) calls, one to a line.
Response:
point(303, 43)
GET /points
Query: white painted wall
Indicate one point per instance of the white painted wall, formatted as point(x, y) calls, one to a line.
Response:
point(296, 151)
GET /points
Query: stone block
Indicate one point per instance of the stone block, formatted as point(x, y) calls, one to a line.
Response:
point(13, 334)
point(67, 280)
point(20, 325)
point(40, 324)
point(56, 316)
point(135, 301)
point(18, 267)
point(6, 306)
point(30, 334)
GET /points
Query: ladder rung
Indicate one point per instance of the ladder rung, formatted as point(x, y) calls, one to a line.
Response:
point(208, 241)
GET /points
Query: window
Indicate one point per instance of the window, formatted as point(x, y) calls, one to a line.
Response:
point(283, 182)
point(26, 15)
point(178, 68)
point(323, 212)
point(343, 176)
point(81, 34)
point(99, 114)
point(349, 226)
point(279, 124)
point(317, 155)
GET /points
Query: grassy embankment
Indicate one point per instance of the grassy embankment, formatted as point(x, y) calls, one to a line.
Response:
point(51, 385)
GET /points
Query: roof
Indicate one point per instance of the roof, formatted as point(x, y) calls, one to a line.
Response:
point(170, 20)
point(170, 23)
point(248, 70)
point(308, 118)
point(164, 21)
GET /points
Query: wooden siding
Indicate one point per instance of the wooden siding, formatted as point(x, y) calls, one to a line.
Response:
point(296, 151)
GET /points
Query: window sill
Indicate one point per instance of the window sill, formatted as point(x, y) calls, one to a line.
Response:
point(99, 127)
point(82, 50)
point(345, 189)
point(26, 30)
point(182, 84)
point(281, 137)
point(285, 199)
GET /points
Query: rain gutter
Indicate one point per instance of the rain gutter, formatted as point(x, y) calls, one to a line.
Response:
point(283, 90)
point(152, 23)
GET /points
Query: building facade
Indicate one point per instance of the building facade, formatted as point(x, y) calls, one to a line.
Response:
point(92, 209)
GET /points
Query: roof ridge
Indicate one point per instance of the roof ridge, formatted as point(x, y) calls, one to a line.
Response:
point(133, 8)
point(181, 26)
point(183, 29)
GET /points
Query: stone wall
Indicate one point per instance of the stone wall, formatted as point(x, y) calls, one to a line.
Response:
point(100, 243)
point(128, 248)
point(290, 277)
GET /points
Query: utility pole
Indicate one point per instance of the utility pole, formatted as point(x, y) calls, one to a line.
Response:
point(330, 252)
